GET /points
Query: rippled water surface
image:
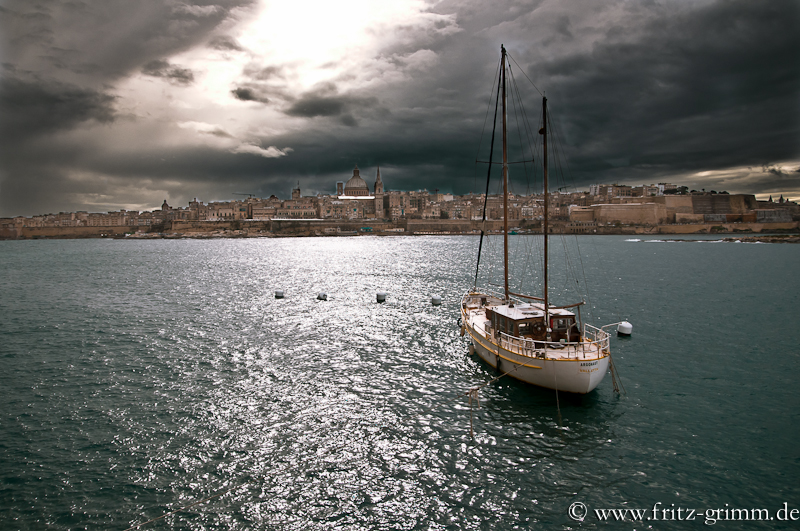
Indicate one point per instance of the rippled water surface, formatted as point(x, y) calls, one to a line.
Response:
point(139, 377)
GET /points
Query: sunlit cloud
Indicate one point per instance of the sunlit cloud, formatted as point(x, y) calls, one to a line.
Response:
point(763, 181)
point(288, 48)
point(190, 98)
point(208, 129)
point(271, 152)
point(197, 11)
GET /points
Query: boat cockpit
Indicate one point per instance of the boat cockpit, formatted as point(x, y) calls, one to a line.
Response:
point(527, 321)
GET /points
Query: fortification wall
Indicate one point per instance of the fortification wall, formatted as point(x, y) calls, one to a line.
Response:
point(328, 226)
point(9, 233)
point(211, 226)
point(676, 204)
point(581, 214)
point(632, 214)
point(71, 232)
point(723, 203)
point(702, 228)
point(453, 225)
point(743, 203)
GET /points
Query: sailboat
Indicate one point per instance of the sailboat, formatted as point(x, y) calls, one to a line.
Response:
point(527, 336)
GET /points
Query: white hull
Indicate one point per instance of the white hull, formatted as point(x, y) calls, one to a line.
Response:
point(573, 368)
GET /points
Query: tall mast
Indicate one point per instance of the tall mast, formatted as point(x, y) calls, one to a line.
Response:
point(505, 176)
point(546, 229)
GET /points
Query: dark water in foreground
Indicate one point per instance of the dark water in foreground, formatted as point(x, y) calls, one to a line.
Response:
point(140, 376)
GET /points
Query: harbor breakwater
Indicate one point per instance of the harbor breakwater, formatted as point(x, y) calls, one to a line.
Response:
point(329, 227)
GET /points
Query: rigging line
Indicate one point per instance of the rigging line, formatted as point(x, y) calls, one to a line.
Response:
point(525, 121)
point(569, 266)
point(488, 178)
point(616, 381)
point(511, 89)
point(516, 119)
point(524, 74)
point(500, 163)
point(526, 267)
point(560, 142)
point(558, 405)
point(530, 174)
point(558, 159)
point(486, 116)
point(473, 395)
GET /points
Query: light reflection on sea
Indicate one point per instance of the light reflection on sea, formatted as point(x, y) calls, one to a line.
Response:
point(142, 376)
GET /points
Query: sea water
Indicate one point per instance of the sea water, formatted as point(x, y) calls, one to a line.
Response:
point(140, 377)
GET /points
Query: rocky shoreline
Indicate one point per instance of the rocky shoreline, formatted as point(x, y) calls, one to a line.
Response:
point(779, 238)
point(743, 232)
point(772, 238)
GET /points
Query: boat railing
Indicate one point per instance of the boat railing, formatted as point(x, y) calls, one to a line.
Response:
point(484, 293)
point(598, 335)
point(594, 343)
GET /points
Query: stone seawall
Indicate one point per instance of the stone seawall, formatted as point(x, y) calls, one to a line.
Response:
point(194, 227)
point(451, 226)
point(256, 228)
point(34, 233)
point(709, 228)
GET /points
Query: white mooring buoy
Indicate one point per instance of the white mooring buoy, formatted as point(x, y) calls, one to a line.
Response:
point(436, 300)
point(381, 296)
point(322, 296)
point(278, 293)
point(624, 328)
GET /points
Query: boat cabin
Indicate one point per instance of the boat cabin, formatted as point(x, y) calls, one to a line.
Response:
point(527, 321)
point(564, 326)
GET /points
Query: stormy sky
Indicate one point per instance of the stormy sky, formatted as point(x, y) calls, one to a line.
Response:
point(119, 104)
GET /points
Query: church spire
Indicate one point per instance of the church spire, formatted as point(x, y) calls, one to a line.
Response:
point(378, 183)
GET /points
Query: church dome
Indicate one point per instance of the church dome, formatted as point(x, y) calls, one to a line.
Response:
point(356, 185)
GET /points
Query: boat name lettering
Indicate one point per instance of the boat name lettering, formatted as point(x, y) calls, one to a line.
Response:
point(588, 363)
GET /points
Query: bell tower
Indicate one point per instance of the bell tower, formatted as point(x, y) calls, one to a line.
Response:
point(378, 195)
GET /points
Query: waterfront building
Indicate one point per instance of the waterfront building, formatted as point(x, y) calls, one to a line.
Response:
point(298, 207)
point(581, 212)
point(353, 199)
point(356, 186)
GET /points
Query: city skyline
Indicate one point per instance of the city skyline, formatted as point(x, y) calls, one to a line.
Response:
point(119, 106)
point(354, 200)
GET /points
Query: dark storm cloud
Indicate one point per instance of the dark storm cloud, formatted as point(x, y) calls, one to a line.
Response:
point(326, 102)
point(248, 94)
point(640, 92)
point(60, 60)
point(173, 74)
point(103, 40)
point(313, 105)
point(225, 43)
point(38, 107)
point(658, 94)
point(258, 83)
point(715, 86)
